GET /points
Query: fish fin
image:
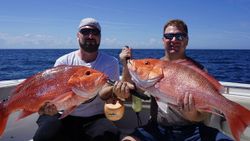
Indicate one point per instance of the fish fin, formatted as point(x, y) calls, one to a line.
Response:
point(83, 94)
point(165, 88)
point(210, 78)
point(238, 119)
point(24, 114)
point(209, 110)
point(67, 112)
point(63, 97)
point(4, 115)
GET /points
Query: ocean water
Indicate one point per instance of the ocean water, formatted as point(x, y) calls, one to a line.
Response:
point(224, 65)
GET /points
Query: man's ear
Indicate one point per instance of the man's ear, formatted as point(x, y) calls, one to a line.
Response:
point(163, 40)
point(77, 34)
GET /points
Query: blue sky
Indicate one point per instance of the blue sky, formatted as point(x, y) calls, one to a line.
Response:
point(213, 24)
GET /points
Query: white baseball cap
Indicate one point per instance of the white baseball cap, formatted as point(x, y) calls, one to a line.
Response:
point(90, 22)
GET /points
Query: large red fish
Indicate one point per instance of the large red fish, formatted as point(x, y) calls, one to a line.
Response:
point(64, 86)
point(169, 80)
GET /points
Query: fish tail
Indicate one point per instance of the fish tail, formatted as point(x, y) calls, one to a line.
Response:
point(3, 118)
point(238, 120)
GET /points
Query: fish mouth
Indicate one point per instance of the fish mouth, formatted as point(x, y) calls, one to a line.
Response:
point(140, 82)
point(100, 81)
point(103, 78)
point(129, 63)
point(144, 83)
point(90, 93)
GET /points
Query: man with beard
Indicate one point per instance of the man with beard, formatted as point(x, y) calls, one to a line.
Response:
point(87, 122)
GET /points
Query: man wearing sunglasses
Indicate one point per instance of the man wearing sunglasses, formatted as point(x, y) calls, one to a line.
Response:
point(87, 122)
point(168, 122)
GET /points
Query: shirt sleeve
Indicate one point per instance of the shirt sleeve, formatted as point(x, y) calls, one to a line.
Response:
point(60, 61)
point(57, 63)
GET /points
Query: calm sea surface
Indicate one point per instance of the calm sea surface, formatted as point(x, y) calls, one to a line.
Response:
point(224, 65)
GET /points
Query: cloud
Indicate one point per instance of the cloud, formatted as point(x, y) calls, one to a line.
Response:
point(35, 41)
point(29, 40)
point(151, 43)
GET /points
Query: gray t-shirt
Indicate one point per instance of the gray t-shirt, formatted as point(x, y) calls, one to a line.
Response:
point(104, 63)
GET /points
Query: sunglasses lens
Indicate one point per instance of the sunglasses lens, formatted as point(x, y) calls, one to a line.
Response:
point(169, 36)
point(86, 31)
point(178, 36)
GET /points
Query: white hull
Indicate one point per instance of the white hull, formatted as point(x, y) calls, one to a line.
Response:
point(23, 130)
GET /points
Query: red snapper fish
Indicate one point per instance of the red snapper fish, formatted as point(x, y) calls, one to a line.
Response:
point(65, 86)
point(169, 81)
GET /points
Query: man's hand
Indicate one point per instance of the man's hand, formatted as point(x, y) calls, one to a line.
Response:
point(186, 106)
point(48, 109)
point(121, 89)
point(124, 55)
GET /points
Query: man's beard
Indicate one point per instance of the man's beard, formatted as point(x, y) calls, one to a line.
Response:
point(89, 46)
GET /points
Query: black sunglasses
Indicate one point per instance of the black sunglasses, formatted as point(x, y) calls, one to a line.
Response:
point(178, 36)
point(87, 31)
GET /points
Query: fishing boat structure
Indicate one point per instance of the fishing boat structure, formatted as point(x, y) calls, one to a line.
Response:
point(24, 129)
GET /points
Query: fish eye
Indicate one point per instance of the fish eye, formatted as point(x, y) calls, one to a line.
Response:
point(87, 73)
point(146, 63)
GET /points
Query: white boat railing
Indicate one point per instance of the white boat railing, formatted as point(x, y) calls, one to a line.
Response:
point(236, 88)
